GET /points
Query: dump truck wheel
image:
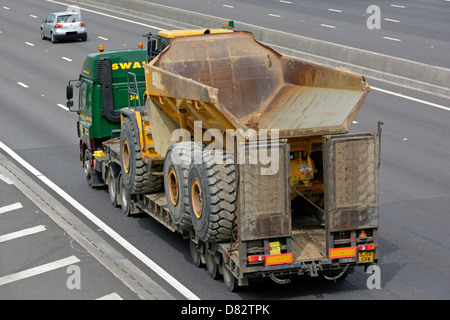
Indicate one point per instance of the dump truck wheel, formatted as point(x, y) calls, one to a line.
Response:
point(176, 169)
point(134, 169)
point(212, 196)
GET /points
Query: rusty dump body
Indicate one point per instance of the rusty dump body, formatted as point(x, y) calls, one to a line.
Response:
point(231, 81)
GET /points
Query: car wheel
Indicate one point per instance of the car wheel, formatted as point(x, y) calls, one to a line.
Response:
point(84, 38)
point(52, 37)
point(43, 37)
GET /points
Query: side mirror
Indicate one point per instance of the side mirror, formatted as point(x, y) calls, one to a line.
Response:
point(69, 92)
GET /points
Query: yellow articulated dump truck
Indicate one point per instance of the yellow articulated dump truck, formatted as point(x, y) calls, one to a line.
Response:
point(246, 153)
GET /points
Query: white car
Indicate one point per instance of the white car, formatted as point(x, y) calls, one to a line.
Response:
point(63, 26)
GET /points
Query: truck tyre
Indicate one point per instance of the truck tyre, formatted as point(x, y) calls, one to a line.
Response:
point(124, 197)
point(87, 167)
point(112, 188)
point(178, 158)
point(133, 168)
point(229, 279)
point(212, 196)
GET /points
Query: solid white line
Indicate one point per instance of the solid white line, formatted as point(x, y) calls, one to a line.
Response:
point(11, 207)
point(411, 98)
point(110, 16)
point(30, 44)
point(327, 26)
point(335, 10)
point(38, 270)
point(111, 296)
point(124, 243)
point(22, 84)
point(5, 179)
point(393, 39)
point(22, 233)
point(63, 107)
point(67, 59)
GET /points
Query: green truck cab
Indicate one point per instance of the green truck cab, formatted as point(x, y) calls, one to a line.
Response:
point(103, 90)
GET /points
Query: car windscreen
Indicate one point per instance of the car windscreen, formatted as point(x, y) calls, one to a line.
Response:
point(69, 18)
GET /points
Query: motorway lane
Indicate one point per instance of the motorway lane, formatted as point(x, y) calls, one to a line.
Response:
point(422, 26)
point(45, 135)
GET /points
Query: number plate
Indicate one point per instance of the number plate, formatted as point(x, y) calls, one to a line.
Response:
point(365, 256)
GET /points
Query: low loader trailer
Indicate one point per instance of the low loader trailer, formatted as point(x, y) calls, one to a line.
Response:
point(243, 151)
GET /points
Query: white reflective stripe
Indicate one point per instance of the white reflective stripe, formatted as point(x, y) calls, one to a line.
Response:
point(22, 233)
point(11, 207)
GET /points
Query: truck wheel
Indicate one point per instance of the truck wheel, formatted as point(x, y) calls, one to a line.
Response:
point(112, 188)
point(176, 170)
point(229, 279)
point(195, 254)
point(124, 197)
point(133, 168)
point(211, 265)
point(212, 196)
point(87, 167)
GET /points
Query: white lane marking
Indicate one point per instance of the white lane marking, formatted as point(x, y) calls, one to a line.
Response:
point(397, 6)
point(289, 2)
point(228, 6)
point(110, 16)
point(6, 8)
point(30, 44)
point(5, 179)
point(103, 38)
point(334, 10)
point(412, 99)
point(22, 233)
point(392, 39)
point(327, 26)
point(67, 59)
point(274, 15)
point(22, 84)
point(111, 296)
point(38, 270)
point(391, 20)
point(33, 16)
point(63, 107)
point(101, 225)
point(11, 207)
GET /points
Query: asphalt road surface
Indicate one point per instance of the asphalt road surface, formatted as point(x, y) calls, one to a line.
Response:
point(414, 175)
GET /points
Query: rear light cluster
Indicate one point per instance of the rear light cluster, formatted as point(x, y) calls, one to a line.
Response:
point(58, 25)
point(366, 247)
point(82, 24)
point(271, 259)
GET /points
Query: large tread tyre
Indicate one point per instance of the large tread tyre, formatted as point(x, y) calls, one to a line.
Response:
point(212, 196)
point(134, 170)
point(178, 159)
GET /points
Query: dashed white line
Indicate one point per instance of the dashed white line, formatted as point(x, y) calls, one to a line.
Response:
point(103, 38)
point(5, 179)
point(38, 270)
point(67, 59)
point(334, 10)
point(6, 8)
point(283, 1)
point(22, 233)
point(111, 296)
point(327, 26)
point(228, 6)
point(391, 20)
point(22, 84)
point(411, 98)
point(392, 39)
point(274, 15)
point(10, 207)
point(33, 16)
point(30, 44)
point(397, 6)
point(62, 106)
